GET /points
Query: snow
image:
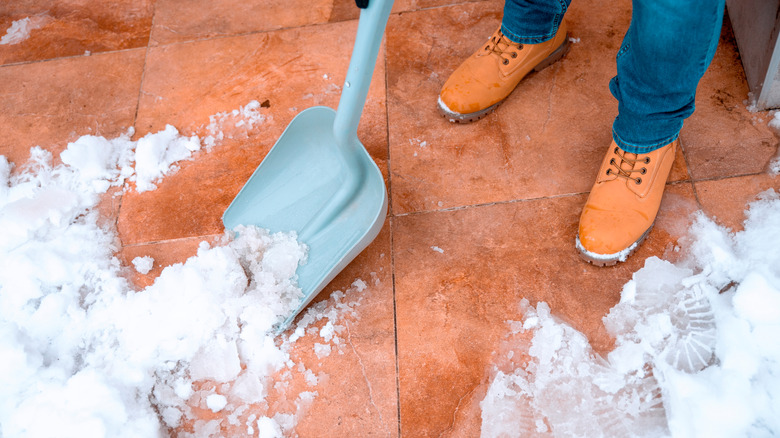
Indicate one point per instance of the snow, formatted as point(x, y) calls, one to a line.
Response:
point(695, 349)
point(20, 29)
point(156, 153)
point(143, 264)
point(82, 348)
point(216, 402)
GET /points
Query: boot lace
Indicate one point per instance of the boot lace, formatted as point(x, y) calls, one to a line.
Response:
point(503, 47)
point(618, 170)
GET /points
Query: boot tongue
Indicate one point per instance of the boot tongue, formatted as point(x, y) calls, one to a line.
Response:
point(629, 163)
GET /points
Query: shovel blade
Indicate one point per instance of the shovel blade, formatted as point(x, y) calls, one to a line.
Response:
point(299, 178)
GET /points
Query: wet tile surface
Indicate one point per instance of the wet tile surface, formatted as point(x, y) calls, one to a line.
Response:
point(72, 27)
point(50, 103)
point(726, 200)
point(547, 139)
point(185, 84)
point(460, 275)
point(722, 137)
point(481, 215)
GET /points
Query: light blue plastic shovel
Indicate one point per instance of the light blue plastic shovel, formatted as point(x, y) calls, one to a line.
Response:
point(318, 179)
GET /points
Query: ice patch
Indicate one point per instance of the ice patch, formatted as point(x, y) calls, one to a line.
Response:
point(20, 30)
point(695, 349)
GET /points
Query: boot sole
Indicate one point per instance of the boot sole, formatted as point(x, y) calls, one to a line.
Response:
point(610, 259)
point(454, 117)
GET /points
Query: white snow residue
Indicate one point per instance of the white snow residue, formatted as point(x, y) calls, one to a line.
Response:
point(774, 163)
point(437, 249)
point(85, 350)
point(20, 29)
point(233, 124)
point(696, 351)
point(143, 264)
point(574, 40)
point(156, 153)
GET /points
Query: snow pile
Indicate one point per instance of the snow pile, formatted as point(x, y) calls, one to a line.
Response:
point(86, 355)
point(696, 351)
point(104, 163)
point(20, 29)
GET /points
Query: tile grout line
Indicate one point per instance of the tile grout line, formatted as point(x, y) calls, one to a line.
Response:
point(690, 175)
point(690, 179)
point(392, 250)
point(135, 120)
point(216, 37)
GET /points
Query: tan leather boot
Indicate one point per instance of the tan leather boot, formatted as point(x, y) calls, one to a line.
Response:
point(623, 203)
point(488, 76)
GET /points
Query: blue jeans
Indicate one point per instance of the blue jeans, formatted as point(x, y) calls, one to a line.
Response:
point(664, 54)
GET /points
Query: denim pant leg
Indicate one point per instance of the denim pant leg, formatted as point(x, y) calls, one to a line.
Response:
point(532, 21)
point(664, 54)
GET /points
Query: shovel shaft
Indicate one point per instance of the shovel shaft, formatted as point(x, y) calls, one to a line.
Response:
point(371, 27)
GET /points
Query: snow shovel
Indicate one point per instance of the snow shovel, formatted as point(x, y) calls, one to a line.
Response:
point(318, 179)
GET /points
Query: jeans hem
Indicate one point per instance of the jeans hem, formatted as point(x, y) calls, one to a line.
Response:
point(634, 148)
point(515, 38)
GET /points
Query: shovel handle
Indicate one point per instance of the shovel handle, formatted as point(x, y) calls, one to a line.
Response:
point(371, 28)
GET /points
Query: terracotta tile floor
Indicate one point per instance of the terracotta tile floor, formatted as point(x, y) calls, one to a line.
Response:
point(499, 199)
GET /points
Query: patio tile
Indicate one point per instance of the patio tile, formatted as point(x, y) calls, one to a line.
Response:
point(461, 274)
point(547, 139)
point(54, 102)
point(722, 137)
point(726, 199)
point(212, 18)
point(166, 253)
point(359, 397)
point(72, 27)
point(209, 18)
point(184, 84)
point(356, 383)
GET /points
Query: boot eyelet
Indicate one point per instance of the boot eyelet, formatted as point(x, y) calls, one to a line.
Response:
point(638, 181)
point(644, 170)
point(616, 150)
point(609, 171)
point(519, 47)
point(514, 54)
point(487, 47)
point(612, 161)
point(506, 61)
point(647, 160)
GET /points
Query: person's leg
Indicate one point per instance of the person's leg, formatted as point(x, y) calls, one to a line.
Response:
point(532, 21)
point(531, 37)
point(666, 51)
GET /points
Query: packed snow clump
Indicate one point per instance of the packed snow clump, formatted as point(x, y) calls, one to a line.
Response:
point(85, 354)
point(143, 264)
point(696, 351)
